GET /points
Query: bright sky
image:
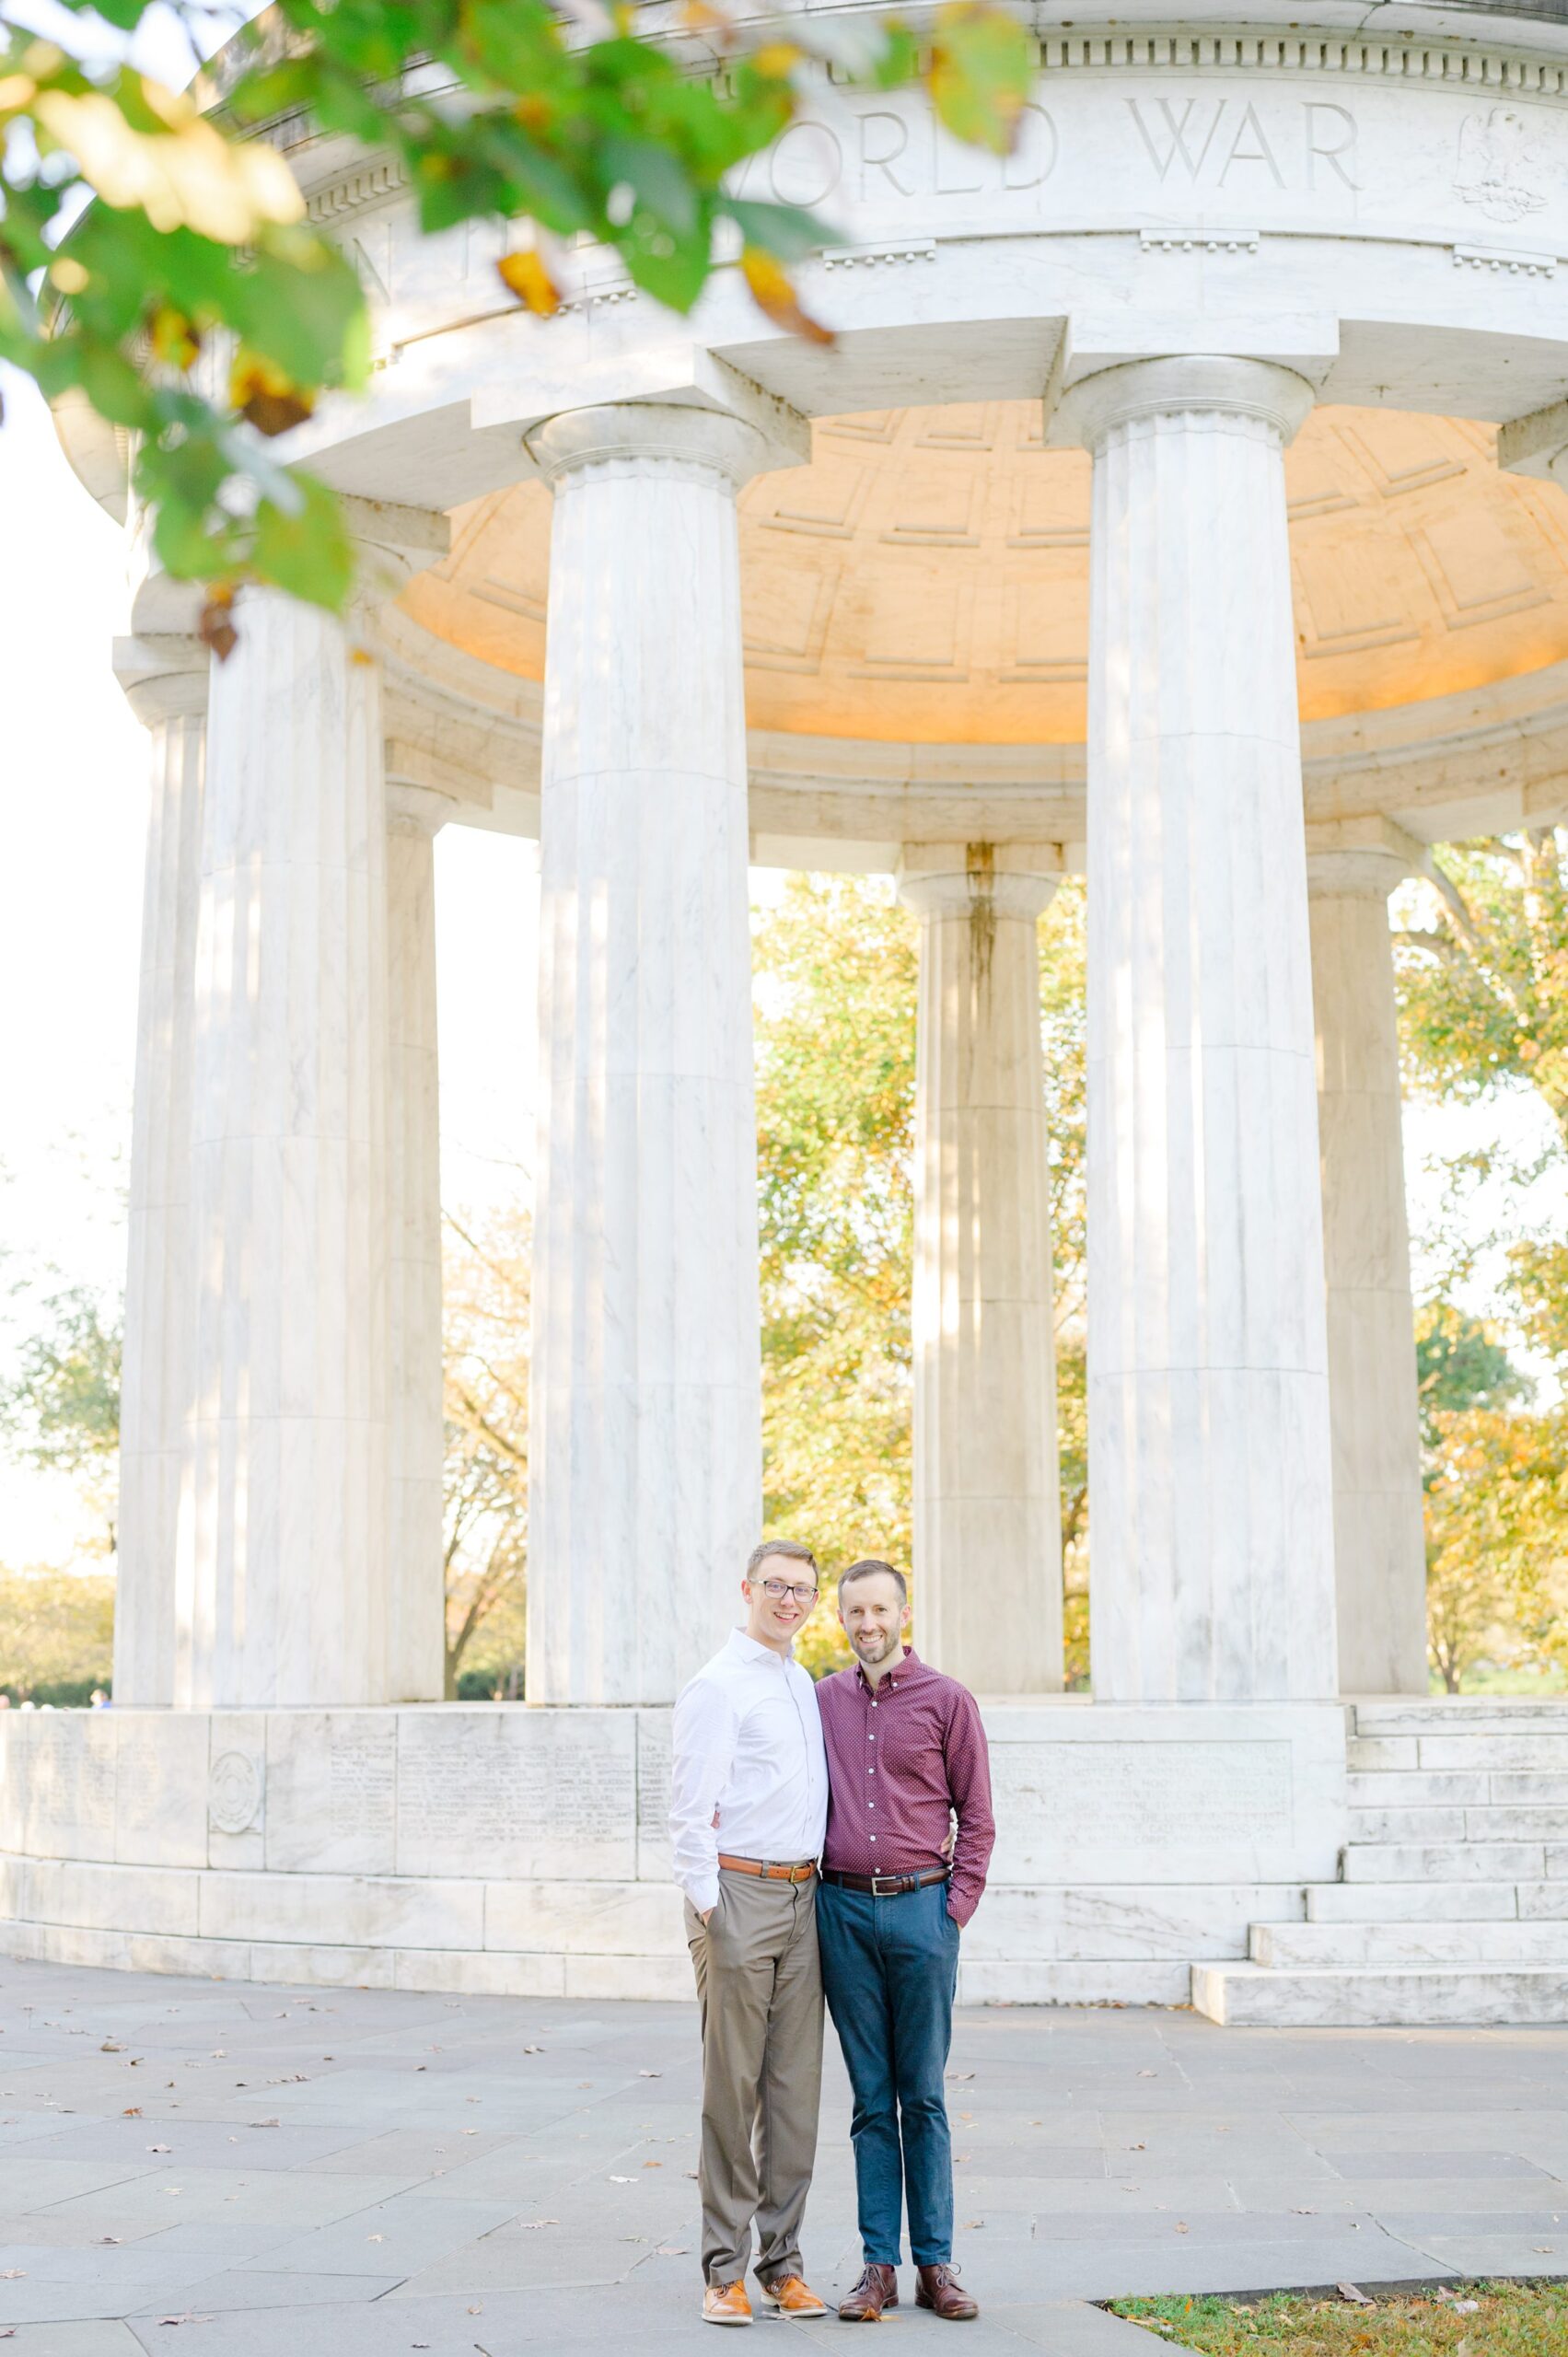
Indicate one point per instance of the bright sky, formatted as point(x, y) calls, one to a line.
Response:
point(74, 815)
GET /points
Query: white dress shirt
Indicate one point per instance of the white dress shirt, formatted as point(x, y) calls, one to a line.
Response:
point(749, 1745)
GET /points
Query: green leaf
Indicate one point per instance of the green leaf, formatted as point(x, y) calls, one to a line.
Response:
point(982, 67)
point(787, 230)
point(309, 554)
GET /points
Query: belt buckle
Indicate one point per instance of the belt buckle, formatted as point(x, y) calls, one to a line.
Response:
point(880, 1879)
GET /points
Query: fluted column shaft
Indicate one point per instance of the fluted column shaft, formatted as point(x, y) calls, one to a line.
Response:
point(1211, 1554)
point(155, 1375)
point(1379, 1549)
point(283, 1550)
point(987, 1513)
point(415, 1652)
point(645, 1420)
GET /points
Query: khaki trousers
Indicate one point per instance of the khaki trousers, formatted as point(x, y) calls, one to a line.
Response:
point(760, 1995)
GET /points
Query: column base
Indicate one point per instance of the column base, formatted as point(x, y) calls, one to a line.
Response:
point(494, 1851)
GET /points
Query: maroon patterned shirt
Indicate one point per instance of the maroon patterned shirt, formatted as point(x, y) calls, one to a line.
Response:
point(900, 1756)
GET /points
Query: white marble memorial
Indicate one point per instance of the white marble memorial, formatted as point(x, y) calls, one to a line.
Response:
point(1182, 500)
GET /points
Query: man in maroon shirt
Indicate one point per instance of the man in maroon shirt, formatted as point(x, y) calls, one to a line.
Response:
point(906, 1753)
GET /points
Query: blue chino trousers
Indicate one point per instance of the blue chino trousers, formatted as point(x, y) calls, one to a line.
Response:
point(890, 1968)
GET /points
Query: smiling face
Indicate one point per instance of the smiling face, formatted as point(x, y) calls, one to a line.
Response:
point(874, 1617)
point(776, 1620)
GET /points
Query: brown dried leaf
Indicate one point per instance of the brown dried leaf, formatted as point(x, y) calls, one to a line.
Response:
point(772, 291)
point(268, 399)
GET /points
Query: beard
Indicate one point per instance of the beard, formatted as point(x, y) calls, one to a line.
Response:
point(874, 1645)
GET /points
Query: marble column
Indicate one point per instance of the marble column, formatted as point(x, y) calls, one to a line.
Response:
point(282, 1588)
point(1211, 1547)
point(987, 1510)
point(156, 1367)
point(646, 1416)
point(415, 1602)
point(1379, 1548)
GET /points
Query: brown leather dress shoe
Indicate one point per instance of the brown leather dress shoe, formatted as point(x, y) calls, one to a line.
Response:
point(794, 2298)
point(938, 2289)
point(877, 2289)
point(725, 2304)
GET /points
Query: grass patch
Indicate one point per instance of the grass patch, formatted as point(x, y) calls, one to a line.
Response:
point(1506, 2320)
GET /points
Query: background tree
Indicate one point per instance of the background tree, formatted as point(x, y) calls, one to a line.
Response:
point(193, 307)
point(836, 989)
point(60, 1411)
point(1483, 969)
point(486, 1306)
point(56, 1634)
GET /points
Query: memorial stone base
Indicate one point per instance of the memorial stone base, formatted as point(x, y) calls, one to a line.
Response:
point(523, 1851)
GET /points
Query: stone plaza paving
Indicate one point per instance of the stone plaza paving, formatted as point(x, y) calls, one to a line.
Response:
point(240, 2170)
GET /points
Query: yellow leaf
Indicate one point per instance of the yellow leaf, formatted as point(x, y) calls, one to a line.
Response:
point(187, 178)
point(778, 59)
point(525, 275)
point(772, 291)
point(174, 340)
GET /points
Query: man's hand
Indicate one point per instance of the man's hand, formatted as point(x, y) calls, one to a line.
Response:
point(951, 1843)
point(706, 1913)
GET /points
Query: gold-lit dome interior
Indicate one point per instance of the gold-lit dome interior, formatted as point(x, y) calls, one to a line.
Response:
point(926, 578)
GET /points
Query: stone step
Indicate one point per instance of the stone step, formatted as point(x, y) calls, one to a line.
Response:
point(1312, 1946)
point(1415, 1902)
point(1490, 1749)
point(1339, 1997)
point(1487, 1822)
point(1408, 1825)
point(1501, 1862)
point(1410, 1788)
point(1457, 1713)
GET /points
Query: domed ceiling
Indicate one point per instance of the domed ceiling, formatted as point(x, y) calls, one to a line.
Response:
point(927, 577)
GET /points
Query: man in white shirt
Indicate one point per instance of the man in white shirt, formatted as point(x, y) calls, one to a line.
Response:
point(748, 1810)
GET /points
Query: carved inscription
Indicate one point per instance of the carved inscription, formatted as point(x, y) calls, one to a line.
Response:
point(1236, 144)
point(652, 1782)
point(361, 1780)
point(524, 1797)
point(1143, 1795)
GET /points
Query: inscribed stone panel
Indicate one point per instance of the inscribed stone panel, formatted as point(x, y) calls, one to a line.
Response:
point(1176, 1810)
point(654, 1859)
point(502, 1791)
point(331, 1790)
point(70, 1786)
point(237, 1789)
point(160, 1816)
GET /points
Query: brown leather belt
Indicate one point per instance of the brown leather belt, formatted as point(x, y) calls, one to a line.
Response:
point(883, 1886)
point(769, 1872)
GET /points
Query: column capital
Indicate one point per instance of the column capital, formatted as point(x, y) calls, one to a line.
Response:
point(640, 432)
point(417, 809)
point(953, 879)
point(1360, 858)
point(1087, 411)
point(1366, 872)
point(163, 675)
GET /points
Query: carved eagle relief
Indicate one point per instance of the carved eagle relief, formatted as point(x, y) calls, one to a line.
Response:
point(1498, 170)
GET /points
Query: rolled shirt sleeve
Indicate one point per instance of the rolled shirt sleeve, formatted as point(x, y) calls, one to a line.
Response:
point(969, 1781)
point(706, 1725)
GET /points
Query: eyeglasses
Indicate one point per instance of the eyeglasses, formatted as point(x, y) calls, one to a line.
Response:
point(776, 1591)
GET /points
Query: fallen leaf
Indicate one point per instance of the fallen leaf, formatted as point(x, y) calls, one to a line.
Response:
point(690, 2173)
point(374, 2238)
point(646, 2074)
point(959, 2076)
point(266, 2123)
point(623, 2181)
point(1354, 2292)
point(533, 2050)
point(972, 2226)
point(1545, 2249)
point(1137, 2148)
point(531, 2223)
point(653, 2165)
point(1148, 2075)
point(671, 2250)
point(160, 2148)
point(112, 2238)
point(476, 2312)
point(11, 2274)
point(1466, 2308)
point(131, 2111)
point(107, 2048)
